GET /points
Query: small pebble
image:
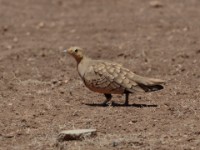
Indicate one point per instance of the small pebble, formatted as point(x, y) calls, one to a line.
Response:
point(40, 25)
point(156, 4)
point(15, 40)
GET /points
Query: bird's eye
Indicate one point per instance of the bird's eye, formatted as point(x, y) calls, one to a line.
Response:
point(76, 50)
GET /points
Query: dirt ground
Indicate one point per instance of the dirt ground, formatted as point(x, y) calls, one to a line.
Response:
point(41, 93)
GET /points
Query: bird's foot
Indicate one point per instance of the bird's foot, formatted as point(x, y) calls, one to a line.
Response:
point(104, 104)
point(126, 104)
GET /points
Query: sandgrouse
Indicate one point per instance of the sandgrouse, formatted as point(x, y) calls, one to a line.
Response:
point(111, 78)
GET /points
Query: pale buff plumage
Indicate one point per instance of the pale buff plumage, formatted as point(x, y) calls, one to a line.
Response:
point(111, 78)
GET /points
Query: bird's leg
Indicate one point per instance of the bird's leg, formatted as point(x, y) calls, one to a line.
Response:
point(126, 100)
point(108, 98)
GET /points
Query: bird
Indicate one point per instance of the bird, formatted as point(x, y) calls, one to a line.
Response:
point(109, 78)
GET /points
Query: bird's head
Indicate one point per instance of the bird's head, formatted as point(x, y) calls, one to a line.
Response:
point(76, 52)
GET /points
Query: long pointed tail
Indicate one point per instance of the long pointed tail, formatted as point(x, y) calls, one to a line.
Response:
point(147, 81)
point(149, 84)
point(151, 88)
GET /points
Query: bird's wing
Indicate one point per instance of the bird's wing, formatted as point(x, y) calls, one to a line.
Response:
point(113, 75)
point(97, 78)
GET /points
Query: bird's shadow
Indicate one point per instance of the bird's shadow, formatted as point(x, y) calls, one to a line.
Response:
point(120, 105)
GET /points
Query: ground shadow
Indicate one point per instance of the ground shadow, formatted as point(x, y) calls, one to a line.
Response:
point(120, 105)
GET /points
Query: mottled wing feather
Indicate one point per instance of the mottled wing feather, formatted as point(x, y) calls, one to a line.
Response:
point(98, 79)
point(117, 76)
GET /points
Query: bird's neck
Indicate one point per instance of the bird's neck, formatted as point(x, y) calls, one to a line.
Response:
point(82, 66)
point(81, 59)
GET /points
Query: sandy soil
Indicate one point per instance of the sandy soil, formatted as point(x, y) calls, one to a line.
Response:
point(41, 93)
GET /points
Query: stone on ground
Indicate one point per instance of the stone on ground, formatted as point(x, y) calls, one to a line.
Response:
point(78, 134)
